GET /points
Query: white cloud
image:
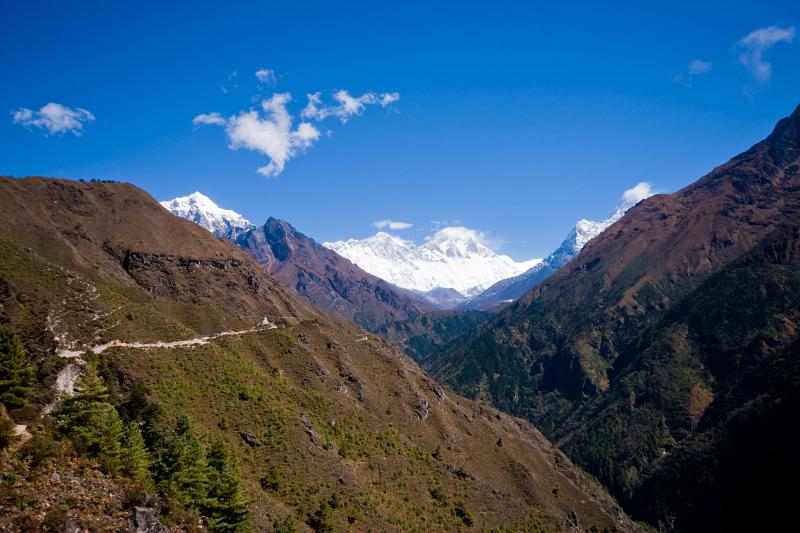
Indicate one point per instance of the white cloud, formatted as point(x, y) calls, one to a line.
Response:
point(267, 77)
point(461, 233)
point(756, 43)
point(55, 118)
point(638, 192)
point(209, 118)
point(346, 105)
point(269, 133)
point(696, 67)
point(392, 224)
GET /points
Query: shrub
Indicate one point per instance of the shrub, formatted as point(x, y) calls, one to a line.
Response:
point(39, 450)
point(272, 479)
point(6, 430)
point(461, 512)
point(286, 525)
point(320, 521)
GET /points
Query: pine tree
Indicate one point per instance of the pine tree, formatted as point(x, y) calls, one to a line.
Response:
point(109, 441)
point(136, 460)
point(91, 421)
point(16, 371)
point(183, 468)
point(227, 506)
point(80, 415)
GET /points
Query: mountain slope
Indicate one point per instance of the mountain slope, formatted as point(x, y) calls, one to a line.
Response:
point(508, 290)
point(629, 360)
point(453, 258)
point(334, 429)
point(326, 279)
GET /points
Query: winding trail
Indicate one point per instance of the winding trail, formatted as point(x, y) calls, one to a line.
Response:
point(65, 381)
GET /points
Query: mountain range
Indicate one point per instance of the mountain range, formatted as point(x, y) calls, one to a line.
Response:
point(664, 357)
point(384, 279)
point(318, 274)
point(454, 258)
point(333, 428)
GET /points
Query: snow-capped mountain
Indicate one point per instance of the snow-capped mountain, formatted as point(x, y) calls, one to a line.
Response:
point(453, 258)
point(586, 230)
point(510, 289)
point(201, 210)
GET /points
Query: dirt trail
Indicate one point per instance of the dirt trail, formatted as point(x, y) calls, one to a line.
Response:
point(65, 381)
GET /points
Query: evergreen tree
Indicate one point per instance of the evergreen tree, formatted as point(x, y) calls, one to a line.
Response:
point(91, 421)
point(183, 468)
point(227, 506)
point(136, 460)
point(16, 371)
point(81, 415)
point(109, 441)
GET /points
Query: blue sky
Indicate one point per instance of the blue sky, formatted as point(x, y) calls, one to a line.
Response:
point(513, 118)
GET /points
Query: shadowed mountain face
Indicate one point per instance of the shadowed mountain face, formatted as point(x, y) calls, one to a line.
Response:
point(664, 357)
point(332, 427)
point(325, 278)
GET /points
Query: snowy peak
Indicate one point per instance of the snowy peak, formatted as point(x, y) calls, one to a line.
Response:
point(458, 241)
point(508, 290)
point(453, 258)
point(201, 210)
point(586, 230)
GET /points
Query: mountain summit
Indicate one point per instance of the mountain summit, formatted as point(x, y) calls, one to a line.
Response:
point(201, 210)
point(453, 258)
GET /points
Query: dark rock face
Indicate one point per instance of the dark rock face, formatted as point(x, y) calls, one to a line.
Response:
point(326, 279)
point(145, 519)
point(656, 357)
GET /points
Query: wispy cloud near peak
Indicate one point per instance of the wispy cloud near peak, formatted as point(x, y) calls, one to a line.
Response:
point(756, 43)
point(392, 224)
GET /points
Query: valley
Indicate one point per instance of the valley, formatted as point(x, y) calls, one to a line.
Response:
point(314, 412)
